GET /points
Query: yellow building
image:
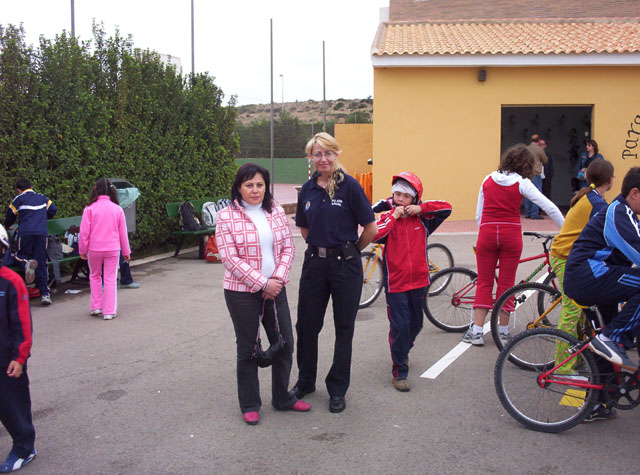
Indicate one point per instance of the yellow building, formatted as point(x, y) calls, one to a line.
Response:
point(451, 95)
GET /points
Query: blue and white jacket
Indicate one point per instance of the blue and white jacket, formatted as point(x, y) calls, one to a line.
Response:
point(32, 209)
point(610, 238)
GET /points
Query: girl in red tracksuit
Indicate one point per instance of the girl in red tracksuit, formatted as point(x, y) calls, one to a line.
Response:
point(404, 231)
point(500, 233)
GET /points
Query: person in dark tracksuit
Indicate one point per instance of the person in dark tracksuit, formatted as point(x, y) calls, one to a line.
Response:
point(32, 210)
point(404, 231)
point(331, 205)
point(599, 272)
point(15, 347)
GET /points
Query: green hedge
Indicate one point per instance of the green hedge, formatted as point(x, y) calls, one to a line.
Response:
point(71, 112)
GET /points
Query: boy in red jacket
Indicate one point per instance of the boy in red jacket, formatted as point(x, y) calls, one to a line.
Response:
point(404, 231)
point(15, 347)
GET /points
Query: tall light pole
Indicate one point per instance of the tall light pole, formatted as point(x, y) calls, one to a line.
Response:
point(73, 20)
point(271, 130)
point(282, 77)
point(193, 54)
point(324, 90)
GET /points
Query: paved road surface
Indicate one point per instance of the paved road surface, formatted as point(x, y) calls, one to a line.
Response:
point(154, 391)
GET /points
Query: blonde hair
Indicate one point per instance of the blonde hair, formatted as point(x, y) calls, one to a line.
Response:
point(327, 142)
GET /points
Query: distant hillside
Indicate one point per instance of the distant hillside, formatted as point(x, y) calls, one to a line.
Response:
point(307, 111)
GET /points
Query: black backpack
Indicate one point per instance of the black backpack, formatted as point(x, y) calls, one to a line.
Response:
point(187, 216)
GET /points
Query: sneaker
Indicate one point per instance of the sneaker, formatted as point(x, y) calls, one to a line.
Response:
point(95, 313)
point(602, 413)
point(401, 384)
point(505, 338)
point(13, 462)
point(30, 271)
point(132, 285)
point(612, 352)
point(109, 317)
point(475, 339)
point(46, 299)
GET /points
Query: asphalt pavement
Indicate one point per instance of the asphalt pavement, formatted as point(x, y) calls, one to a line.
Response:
point(154, 391)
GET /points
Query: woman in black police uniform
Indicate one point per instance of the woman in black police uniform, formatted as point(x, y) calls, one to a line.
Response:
point(331, 205)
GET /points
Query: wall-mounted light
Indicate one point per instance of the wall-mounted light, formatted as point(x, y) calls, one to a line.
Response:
point(482, 75)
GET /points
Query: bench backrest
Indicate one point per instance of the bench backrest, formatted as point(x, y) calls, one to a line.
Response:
point(172, 208)
point(60, 225)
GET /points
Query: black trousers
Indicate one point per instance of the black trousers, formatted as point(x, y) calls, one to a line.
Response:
point(340, 279)
point(245, 309)
point(32, 247)
point(15, 412)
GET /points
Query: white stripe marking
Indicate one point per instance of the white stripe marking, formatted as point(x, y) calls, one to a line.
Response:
point(444, 362)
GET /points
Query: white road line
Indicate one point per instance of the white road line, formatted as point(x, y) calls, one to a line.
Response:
point(444, 362)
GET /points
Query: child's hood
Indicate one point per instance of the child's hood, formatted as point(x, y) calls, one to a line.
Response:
point(505, 178)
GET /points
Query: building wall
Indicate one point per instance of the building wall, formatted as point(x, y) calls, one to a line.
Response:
point(457, 10)
point(444, 125)
point(356, 142)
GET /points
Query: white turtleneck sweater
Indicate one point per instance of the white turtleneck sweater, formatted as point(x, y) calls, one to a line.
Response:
point(257, 215)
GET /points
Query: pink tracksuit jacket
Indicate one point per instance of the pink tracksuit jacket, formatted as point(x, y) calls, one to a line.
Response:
point(103, 228)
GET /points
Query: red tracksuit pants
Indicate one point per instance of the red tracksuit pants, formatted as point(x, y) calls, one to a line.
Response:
point(498, 244)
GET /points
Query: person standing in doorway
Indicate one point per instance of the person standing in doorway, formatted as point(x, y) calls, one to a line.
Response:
point(531, 210)
point(331, 206)
point(548, 170)
point(585, 160)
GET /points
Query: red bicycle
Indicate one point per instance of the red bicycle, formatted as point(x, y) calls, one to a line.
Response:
point(547, 395)
point(450, 306)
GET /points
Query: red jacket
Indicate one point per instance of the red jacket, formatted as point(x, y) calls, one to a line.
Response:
point(405, 262)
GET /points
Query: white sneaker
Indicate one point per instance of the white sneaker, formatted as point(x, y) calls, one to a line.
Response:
point(109, 317)
point(45, 299)
point(475, 339)
point(96, 313)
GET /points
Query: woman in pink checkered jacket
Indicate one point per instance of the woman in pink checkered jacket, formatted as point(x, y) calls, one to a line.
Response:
point(256, 247)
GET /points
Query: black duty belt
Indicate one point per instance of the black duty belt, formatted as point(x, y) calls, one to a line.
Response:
point(325, 251)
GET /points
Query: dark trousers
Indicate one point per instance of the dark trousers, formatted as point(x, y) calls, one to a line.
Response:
point(32, 247)
point(125, 271)
point(245, 309)
point(340, 279)
point(404, 310)
point(15, 412)
point(619, 284)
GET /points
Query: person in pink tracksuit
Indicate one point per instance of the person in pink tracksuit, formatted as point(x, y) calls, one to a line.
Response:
point(103, 234)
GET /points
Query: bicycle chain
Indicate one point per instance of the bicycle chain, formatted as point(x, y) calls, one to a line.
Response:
point(622, 390)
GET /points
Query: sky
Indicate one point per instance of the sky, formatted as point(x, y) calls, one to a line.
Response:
point(232, 39)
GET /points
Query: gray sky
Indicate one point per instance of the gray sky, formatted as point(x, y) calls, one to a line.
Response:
point(232, 39)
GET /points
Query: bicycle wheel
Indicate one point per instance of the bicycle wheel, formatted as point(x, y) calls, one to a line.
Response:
point(451, 305)
point(440, 258)
point(373, 278)
point(545, 405)
point(526, 315)
point(551, 281)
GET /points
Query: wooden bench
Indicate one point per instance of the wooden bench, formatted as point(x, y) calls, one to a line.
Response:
point(172, 212)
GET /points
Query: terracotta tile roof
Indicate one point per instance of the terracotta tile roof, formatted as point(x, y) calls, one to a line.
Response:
point(559, 37)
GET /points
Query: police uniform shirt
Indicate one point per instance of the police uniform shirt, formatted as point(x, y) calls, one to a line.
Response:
point(332, 222)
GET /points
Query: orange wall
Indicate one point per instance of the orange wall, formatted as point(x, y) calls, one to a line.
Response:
point(356, 141)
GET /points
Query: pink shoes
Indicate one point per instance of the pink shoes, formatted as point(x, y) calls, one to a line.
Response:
point(301, 406)
point(251, 418)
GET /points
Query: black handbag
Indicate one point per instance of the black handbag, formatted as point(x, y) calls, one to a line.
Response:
point(277, 350)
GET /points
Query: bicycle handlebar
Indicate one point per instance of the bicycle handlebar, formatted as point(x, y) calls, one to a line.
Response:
point(547, 238)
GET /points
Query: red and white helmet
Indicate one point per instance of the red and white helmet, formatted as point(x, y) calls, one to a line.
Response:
point(412, 179)
point(4, 237)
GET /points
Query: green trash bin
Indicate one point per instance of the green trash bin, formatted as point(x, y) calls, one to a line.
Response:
point(127, 195)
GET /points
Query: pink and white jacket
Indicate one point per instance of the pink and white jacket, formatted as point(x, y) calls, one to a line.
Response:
point(103, 228)
point(239, 246)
